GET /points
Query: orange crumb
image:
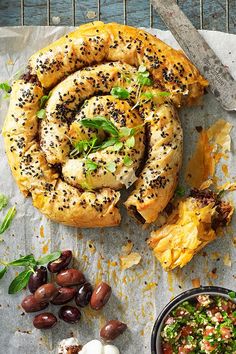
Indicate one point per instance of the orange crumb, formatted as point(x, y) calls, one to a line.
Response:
point(196, 282)
point(41, 231)
point(45, 249)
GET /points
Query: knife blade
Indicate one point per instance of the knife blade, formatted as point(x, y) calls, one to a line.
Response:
point(221, 82)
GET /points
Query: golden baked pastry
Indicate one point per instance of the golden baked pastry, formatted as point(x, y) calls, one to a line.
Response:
point(189, 228)
point(96, 113)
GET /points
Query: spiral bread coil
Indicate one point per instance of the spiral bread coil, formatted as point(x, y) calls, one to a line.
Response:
point(74, 169)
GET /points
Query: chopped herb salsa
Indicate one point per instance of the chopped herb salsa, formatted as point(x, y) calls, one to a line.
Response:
point(205, 324)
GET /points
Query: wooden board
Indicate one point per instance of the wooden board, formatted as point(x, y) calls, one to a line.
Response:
point(207, 14)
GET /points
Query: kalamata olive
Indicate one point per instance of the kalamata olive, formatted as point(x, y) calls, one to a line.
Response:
point(84, 294)
point(69, 314)
point(61, 263)
point(100, 296)
point(30, 304)
point(112, 330)
point(64, 296)
point(44, 320)
point(46, 292)
point(37, 279)
point(70, 277)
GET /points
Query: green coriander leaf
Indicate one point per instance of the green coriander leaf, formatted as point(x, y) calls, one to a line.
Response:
point(144, 81)
point(118, 146)
point(125, 131)
point(130, 142)
point(3, 272)
point(232, 294)
point(127, 161)
point(142, 69)
point(100, 122)
point(49, 258)
point(25, 261)
point(6, 96)
point(111, 167)
point(86, 186)
point(120, 92)
point(163, 94)
point(84, 146)
point(144, 74)
point(43, 100)
point(5, 87)
point(20, 282)
point(180, 191)
point(148, 95)
point(90, 165)
point(8, 219)
point(41, 114)
point(3, 201)
point(109, 142)
point(79, 147)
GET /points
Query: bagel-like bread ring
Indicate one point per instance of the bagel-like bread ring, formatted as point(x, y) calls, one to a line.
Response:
point(32, 155)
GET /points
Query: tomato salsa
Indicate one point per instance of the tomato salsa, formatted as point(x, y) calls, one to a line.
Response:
point(204, 324)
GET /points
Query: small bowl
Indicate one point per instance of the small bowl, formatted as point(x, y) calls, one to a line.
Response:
point(186, 295)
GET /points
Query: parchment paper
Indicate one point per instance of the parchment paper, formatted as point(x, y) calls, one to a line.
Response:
point(138, 293)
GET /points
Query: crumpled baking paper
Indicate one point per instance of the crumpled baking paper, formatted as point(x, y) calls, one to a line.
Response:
point(139, 293)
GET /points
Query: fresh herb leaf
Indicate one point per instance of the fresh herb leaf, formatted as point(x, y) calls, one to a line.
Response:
point(20, 282)
point(144, 81)
point(41, 114)
point(5, 87)
point(111, 167)
point(84, 146)
point(8, 219)
point(118, 146)
point(130, 142)
point(6, 96)
point(90, 165)
point(79, 147)
point(180, 191)
point(91, 146)
point(143, 78)
point(107, 143)
point(100, 122)
point(142, 69)
point(49, 258)
point(127, 161)
point(163, 94)
point(147, 95)
point(3, 272)
point(120, 92)
point(125, 131)
point(3, 201)
point(232, 294)
point(43, 100)
point(85, 186)
point(25, 261)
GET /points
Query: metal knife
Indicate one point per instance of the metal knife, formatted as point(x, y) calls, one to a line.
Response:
point(221, 83)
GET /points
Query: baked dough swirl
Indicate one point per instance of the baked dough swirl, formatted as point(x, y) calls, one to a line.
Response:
point(143, 144)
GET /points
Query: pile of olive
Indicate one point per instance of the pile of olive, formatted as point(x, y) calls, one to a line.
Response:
point(72, 285)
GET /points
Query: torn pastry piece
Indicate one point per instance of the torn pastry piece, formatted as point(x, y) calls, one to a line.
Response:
point(190, 227)
point(213, 145)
